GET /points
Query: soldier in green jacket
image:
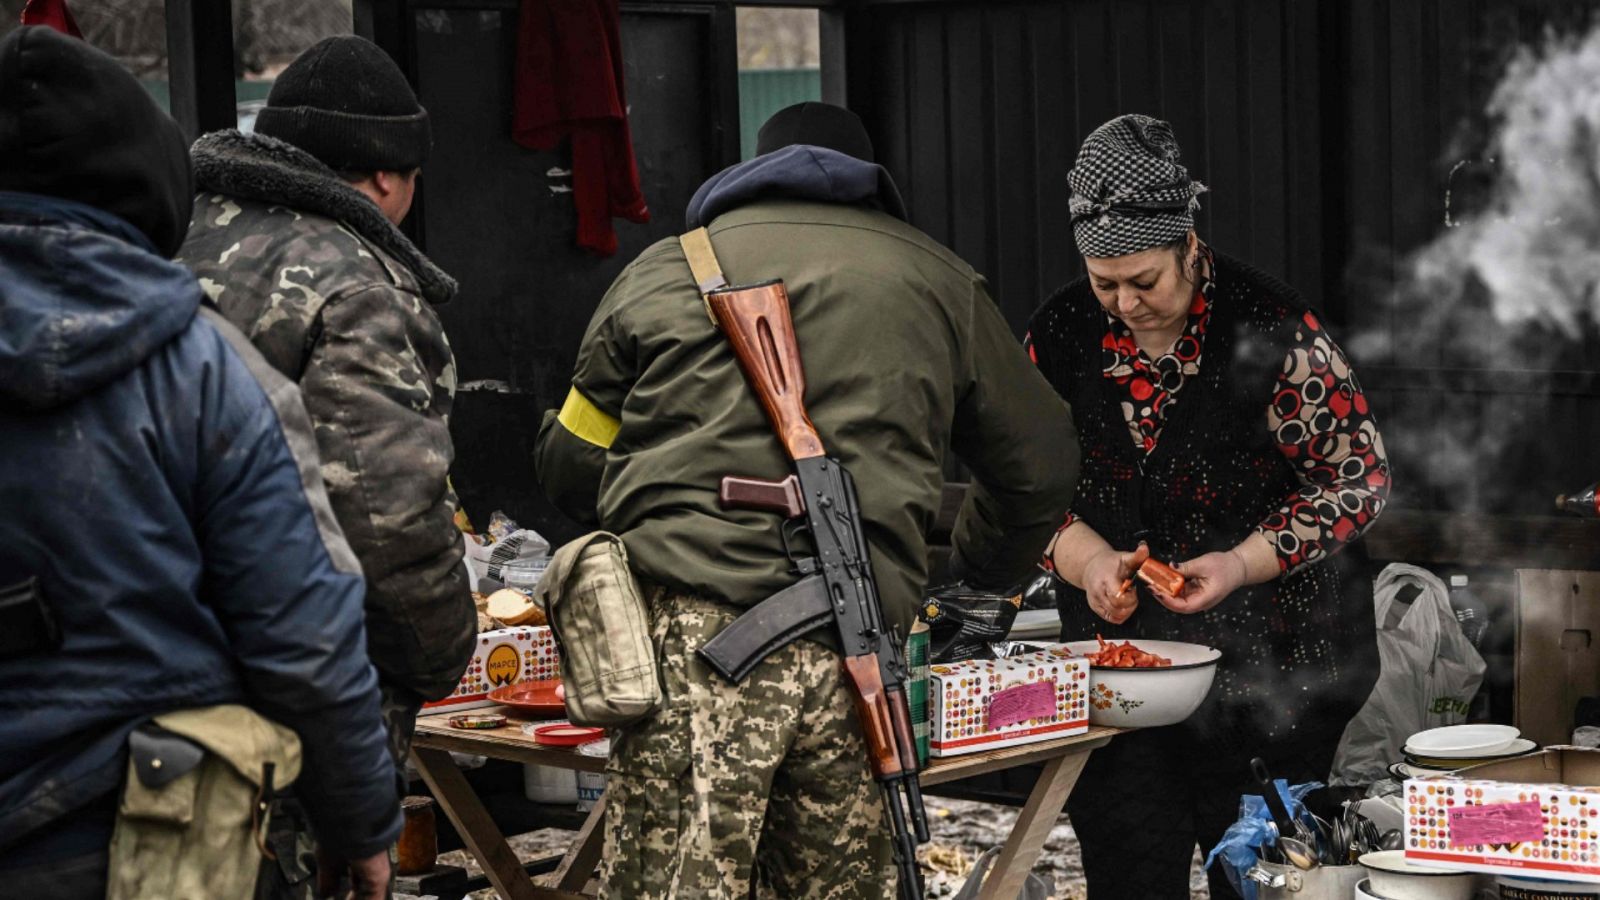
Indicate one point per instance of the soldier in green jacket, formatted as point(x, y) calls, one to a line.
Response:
point(907, 360)
point(294, 240)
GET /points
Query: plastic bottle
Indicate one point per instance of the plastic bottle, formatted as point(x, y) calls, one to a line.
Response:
point(1471, 613)
point(1584, 503)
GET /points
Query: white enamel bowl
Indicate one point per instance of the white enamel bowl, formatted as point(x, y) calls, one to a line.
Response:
point(1462, 740)
point(1148, 698)
point(1392, 878)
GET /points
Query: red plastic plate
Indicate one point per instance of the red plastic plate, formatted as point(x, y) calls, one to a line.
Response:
point(533, 699)
point(567, 735)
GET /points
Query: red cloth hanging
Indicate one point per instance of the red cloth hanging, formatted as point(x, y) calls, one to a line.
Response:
point(51, 14)
point(568, 82)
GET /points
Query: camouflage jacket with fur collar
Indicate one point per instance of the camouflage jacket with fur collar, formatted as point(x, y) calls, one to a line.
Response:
point(339, 300)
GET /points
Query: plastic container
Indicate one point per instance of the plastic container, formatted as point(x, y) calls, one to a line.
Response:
point(592, 784)
point(524, 574)
point(549, 784)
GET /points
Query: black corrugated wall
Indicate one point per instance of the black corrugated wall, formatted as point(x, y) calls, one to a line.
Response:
point(1326, 129)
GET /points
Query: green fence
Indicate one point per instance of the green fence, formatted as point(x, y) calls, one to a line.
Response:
point(763, 92)
point(243, 91)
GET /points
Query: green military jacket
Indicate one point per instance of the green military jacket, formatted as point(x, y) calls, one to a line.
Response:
point(907, 360)
point(336, 298)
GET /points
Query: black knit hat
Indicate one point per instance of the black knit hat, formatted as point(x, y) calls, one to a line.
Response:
point(345, 102)
point(816, 124)
point(74, 124)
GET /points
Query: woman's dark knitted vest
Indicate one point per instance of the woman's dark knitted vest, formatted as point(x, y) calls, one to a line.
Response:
point(1214, 475)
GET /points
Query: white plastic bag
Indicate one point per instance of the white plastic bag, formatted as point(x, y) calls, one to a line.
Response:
point(1428, 676)
point(504, 543)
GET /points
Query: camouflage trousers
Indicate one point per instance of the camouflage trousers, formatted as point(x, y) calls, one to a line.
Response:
point(732, 791)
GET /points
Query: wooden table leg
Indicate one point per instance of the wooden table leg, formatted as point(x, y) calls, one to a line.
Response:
point(577, 867)
point(1038, 816)
point(472, 821)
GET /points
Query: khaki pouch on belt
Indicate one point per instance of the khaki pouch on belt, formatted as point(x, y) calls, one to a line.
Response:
point(193, 809)
point(593, 603)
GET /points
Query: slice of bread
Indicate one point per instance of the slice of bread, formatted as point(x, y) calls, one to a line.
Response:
point(514, 608)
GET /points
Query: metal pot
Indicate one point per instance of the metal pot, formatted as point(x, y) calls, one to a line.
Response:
point(1284, 882)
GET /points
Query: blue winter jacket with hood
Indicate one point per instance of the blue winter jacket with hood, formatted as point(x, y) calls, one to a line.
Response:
point(159, 480)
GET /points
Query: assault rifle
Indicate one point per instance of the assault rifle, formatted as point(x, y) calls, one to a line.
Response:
point(836, 583)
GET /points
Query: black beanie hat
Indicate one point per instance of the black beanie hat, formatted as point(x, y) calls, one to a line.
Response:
point(74, 124)
point(817, 124)
point(345, 102)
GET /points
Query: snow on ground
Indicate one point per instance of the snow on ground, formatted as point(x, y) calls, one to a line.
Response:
point(961, 831)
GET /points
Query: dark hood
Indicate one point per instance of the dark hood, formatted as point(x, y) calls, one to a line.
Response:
point(796, 172)
point(257, 167)
point(75, 124)
point(84, 298)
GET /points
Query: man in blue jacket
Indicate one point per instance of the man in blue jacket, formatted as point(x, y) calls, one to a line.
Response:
point(165, 538)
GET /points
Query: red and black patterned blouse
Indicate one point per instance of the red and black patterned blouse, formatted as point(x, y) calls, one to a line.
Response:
point(1318, 417)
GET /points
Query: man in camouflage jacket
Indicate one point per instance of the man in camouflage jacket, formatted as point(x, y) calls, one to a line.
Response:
point(294, 241)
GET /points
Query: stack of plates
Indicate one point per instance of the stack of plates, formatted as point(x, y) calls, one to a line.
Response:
point(1442, 750)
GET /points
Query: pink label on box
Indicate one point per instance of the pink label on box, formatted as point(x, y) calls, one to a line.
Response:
point(1021, 703)
point(1496, 823)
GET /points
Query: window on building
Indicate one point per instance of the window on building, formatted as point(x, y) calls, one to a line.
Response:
point(779, 65)
point(267, 36)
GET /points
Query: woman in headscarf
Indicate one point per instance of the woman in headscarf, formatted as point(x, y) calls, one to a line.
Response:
point(1222, 431)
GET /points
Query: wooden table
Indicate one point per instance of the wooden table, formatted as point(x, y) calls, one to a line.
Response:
point(1063, 761)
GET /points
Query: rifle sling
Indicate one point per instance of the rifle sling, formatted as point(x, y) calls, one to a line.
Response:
point(703, 265)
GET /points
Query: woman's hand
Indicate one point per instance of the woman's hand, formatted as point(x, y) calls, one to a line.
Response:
point(1103, 578)
point(1207, 581)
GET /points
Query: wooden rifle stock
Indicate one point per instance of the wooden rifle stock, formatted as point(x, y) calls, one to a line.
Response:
point(875, 713)
point(757, 324)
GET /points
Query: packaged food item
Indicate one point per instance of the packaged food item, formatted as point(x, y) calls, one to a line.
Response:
point(503, 656)
point(917, 686)
point(985, 704)
point(1531, 815)
point(963, 622)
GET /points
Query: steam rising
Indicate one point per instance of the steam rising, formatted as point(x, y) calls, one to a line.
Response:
point(1511, 283)
point(1535, 248)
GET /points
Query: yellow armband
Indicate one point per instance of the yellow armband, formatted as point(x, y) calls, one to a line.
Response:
point(580, 416)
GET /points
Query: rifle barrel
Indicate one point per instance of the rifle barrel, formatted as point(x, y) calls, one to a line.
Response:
point(905, 852)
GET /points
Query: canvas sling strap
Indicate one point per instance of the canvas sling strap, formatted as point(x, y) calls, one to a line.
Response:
point(703, 264)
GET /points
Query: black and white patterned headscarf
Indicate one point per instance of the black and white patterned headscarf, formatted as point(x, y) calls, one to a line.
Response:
point(1128, 191)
